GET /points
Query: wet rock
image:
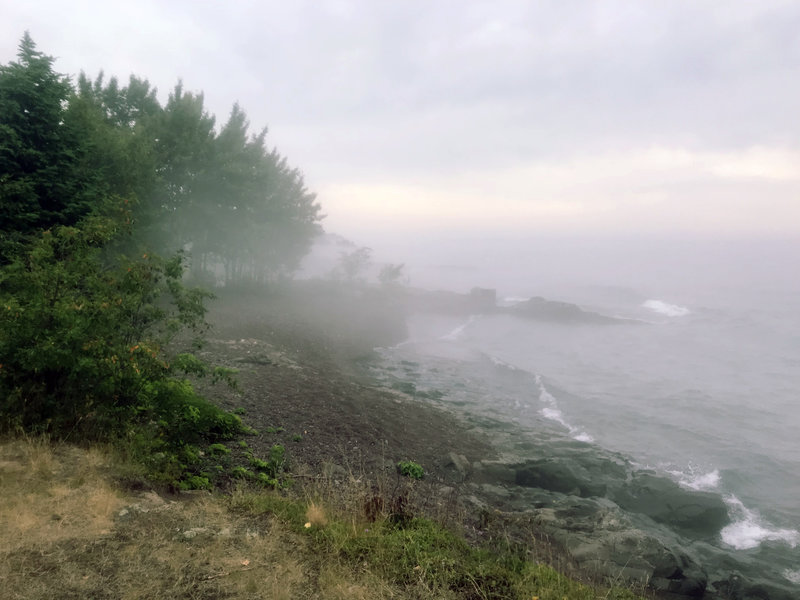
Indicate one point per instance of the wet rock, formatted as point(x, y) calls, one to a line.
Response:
point(602, 540)
point(559, 475)
point(459, 464)
point(494, 472)
point(550, 310)
point(695, 514)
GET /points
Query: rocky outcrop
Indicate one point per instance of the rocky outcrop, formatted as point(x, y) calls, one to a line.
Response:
point(695, 514)
point(563, 312)
point(612, 520)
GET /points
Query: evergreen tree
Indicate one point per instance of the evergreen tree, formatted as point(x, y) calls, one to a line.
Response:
point(41, 183)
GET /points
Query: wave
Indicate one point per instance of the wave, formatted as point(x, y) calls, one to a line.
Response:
point(666, 309)
point(456, 334)
point(509, 301)
point(749, 530)
point(553, 413)
point(501, 363)
point(696, 481)
point(793, 576)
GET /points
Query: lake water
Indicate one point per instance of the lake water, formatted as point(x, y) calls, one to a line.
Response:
point(703, 386)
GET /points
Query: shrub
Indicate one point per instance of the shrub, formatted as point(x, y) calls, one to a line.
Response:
point(409, 468)
point(82, 349)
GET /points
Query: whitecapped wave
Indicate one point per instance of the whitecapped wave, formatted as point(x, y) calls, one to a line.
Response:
point(666, 309)
point(552, 412)
point(693, 479)
point(749, 530)
point(458, 332)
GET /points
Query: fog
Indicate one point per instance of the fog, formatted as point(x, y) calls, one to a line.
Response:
point(689, 269)
point(622, 180)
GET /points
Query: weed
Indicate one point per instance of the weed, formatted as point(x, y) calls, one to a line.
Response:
point(409, 468)
point(297, 437)
point(270, 471)
point(219, 449)
point(242, 473)
point(195, 482)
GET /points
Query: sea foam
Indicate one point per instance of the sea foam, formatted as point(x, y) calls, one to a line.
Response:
point(748, 529)
point(691, 479)
point(456, 334)
point(551, 412)
point(666, 309)
point(793, 576)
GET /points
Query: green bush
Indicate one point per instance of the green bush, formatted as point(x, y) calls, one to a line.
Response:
point(219, 450)
point(409, 468)
point(83, 349)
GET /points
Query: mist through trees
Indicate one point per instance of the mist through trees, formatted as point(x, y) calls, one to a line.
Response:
point(236, 206)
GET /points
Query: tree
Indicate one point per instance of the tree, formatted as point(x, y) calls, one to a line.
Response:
point(117, 127)
point(41, 182)
point(352, 264)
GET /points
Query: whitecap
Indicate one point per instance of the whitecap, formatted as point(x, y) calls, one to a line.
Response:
point(697, 481)
point(458, 331)
point(793, 576)
point(748, 529)
point(501, 363)
point(551, 412)
point(666, 309)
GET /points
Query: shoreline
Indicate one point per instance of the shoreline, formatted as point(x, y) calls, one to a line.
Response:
point(304, 369)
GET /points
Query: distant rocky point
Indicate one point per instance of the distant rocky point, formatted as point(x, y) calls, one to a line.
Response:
point(484, 301)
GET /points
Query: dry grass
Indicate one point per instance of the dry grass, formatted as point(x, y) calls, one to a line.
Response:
point(52, 494)
point(68, 531)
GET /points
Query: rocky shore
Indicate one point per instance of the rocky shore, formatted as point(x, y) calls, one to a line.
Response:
point(302, 356)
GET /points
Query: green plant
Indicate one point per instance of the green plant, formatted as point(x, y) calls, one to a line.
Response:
point(219, 449)
point(242, 473)
point(409, 468)
point(239, 411)
point(195, 482)
point(271, 470)
point(297, 437)
point(272, 429)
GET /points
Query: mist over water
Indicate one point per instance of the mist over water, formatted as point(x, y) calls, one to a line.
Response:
point(701, 384)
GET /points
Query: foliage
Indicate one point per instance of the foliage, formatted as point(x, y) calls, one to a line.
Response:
point(421, 555)
point(238, 206)
point(91, 176)
point(42, 182)
point(270, 472)
point(391, 276)
point(219, 449)
point(83, 350)
point(409, 468)
point(352, 264)
point(80, 342)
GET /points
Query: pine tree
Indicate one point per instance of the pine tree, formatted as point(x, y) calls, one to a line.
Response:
point(41, 184)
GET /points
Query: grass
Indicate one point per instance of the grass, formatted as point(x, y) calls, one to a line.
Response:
point(70, 529)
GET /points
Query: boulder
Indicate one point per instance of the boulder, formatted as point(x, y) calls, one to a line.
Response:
point(695, 514)
point(559, 475)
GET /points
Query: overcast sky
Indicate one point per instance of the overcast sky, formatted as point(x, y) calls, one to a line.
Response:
point(645, 116)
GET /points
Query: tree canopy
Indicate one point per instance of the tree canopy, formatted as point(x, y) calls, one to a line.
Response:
point(220, 193)
point(41, 180)
point(98, 181)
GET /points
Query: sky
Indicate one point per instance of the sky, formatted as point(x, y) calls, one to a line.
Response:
point(509, 118)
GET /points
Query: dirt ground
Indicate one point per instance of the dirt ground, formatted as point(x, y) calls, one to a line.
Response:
point(301, 356)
